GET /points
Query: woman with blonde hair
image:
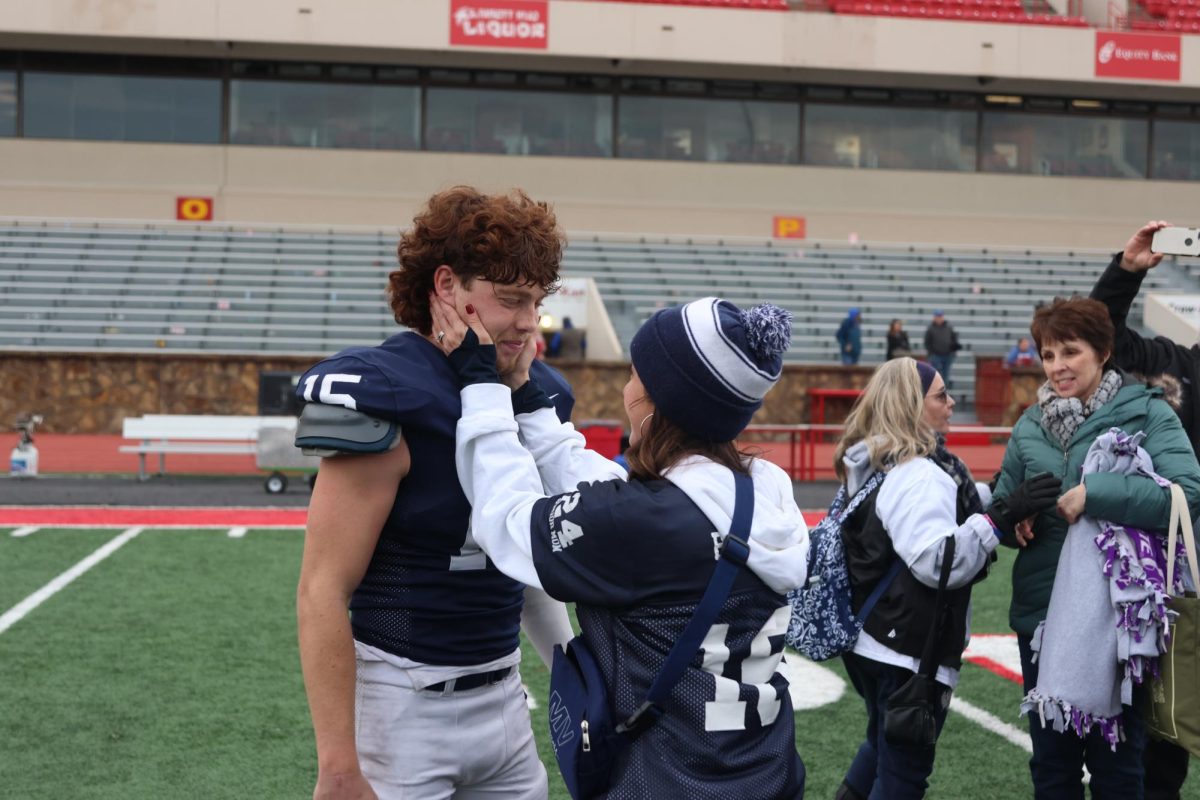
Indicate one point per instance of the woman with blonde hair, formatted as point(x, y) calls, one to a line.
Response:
point(917, 495)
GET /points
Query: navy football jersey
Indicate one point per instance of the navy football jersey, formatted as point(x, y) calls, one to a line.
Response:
point(636, 558)
point(429, 593)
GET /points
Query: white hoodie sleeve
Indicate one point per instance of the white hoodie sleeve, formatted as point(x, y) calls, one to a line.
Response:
point(916, 504)
point(545, 622)
point(499, 478)
point(561, 455)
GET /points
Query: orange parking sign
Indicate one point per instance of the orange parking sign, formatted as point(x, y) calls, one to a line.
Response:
point(788, 228)
point(194, 209)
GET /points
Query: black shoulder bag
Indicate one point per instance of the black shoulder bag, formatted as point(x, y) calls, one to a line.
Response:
point(911, 715)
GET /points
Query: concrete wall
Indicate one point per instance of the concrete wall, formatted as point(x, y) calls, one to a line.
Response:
point(340, 187)
point(115, 180)
point(93, 393)
point(587, 36)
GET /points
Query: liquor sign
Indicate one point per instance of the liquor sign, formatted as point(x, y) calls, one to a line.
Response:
point(788, 227)
point(194, 209)
point(1146, 56)
point(500, 23)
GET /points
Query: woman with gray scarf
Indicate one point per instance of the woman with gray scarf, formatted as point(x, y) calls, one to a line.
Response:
point(1083, 398)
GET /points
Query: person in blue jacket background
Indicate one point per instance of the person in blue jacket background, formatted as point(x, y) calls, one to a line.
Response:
point(849, 337)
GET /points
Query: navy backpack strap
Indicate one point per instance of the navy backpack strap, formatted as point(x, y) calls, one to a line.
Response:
point(862, 494)
point(893, 570)
point(878, 591)
point(735, 550)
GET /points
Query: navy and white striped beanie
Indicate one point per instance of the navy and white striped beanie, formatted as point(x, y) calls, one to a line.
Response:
point(707, 364)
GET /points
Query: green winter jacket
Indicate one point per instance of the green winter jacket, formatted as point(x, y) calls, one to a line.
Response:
point(1126, 499)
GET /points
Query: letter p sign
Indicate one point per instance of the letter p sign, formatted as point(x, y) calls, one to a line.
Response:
point(789, 228)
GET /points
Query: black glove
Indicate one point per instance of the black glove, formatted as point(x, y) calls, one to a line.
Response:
point(530, 397)
point(1031, 497)
point(475, 362)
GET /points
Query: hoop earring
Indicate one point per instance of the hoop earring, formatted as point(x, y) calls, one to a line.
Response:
point(642, 424)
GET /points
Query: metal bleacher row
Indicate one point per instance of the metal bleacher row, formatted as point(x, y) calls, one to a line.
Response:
point(988, 294)
point(129, 287)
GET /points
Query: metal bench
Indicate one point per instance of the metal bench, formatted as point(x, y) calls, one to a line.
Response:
point(193, 434)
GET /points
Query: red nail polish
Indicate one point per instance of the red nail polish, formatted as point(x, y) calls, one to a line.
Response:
point(470, 308)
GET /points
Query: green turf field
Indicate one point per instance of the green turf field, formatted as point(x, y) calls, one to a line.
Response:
point(170, 670)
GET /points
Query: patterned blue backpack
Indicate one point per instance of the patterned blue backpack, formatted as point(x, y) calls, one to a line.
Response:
point(823, 625)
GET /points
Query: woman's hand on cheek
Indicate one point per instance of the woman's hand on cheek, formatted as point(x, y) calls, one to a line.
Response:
point(450, 325)
point(467, 313)
point(519, 375)
point(448, 328)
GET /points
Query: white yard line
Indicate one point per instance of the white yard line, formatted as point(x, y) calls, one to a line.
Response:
point(18, 612)
point(20, 532)
point(989, 721)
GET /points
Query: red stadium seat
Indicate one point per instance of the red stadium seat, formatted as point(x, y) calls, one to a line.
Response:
point(1180, 14)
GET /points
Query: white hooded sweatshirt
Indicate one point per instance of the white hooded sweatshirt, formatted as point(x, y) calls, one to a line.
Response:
point(503, 480)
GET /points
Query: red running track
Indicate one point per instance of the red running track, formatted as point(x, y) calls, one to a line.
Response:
point(84, 454)
point(149, 516)
point(128, 516)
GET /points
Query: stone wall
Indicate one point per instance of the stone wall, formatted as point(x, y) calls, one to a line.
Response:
point(94, 392)
point(1025, 384)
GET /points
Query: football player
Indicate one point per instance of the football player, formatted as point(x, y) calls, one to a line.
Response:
point(416, 692)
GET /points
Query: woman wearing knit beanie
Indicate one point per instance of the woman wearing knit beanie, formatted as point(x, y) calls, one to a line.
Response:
point(899, 533)
point(636, 553)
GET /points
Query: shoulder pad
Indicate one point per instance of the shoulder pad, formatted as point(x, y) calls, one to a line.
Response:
point(325, 430)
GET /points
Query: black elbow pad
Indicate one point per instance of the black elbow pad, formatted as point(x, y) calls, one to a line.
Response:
point(324, 430)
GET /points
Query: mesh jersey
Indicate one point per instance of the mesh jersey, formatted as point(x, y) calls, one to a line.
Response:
point(636, 558)
point(429, 593)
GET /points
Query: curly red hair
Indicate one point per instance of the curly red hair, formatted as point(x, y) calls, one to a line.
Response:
point(505, 238)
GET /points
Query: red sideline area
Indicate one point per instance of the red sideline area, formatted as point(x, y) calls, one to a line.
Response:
point(118, 516)
point(128, 516)
point(84, 453)
point(67, 453)
point(997, 668)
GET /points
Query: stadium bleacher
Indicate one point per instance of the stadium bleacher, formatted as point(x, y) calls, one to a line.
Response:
point(1165, 15)
point(1002, 11)
point(68, 286)
point(745, 5)
point(997, 11)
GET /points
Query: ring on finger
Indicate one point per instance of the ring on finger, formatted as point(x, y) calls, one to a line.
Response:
point(440, 335)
